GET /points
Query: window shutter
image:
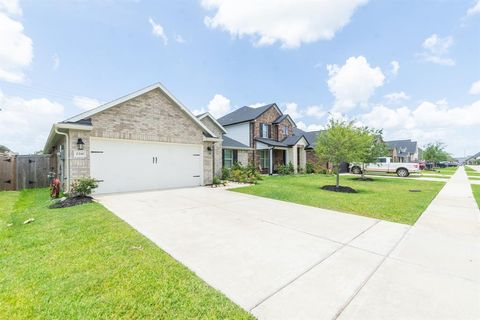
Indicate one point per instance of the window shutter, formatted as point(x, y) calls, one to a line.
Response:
point(235, 156)
point(269, 131)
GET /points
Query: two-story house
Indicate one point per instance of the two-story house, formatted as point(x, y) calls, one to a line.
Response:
point(404, 150)
point(265, 137)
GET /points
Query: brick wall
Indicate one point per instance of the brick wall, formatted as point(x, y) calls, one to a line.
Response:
point(149, 117)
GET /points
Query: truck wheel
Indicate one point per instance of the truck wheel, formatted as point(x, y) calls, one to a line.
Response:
point(402, 172)
point(356, 170)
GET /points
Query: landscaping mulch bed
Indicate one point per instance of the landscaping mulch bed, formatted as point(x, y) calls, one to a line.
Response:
point(70, 202)
point(339, 189)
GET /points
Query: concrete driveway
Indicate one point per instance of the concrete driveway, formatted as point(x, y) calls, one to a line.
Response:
point(280, 260)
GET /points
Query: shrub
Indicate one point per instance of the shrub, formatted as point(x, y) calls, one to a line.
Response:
point(318, 168)
point(216, 180)
point(310, 168)
point(239, 173)
point(286, 169)
point(226, 174)
point(83, 187)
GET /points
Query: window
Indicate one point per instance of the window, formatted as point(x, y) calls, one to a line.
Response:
point(264, 130)
point(285, 130)
point(382, 160)
point(227, 158)
point(264, 159)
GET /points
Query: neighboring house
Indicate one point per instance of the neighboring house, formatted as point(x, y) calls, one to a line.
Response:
point(143, 141)
point(5, 151)
point(264, 137)
point(404, 150)
point(472, 159)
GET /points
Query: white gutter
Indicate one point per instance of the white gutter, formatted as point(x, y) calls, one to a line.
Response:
point(66, 158)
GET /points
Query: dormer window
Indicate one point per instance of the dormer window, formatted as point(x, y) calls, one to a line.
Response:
point(285, 130)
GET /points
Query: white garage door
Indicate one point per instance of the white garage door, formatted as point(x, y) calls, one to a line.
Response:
point(126, 165)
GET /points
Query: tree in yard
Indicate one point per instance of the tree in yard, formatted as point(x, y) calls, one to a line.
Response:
point(370, 146)
point(435, 152)
point(339, 143)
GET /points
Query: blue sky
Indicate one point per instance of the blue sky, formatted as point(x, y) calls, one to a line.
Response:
point(315, 59)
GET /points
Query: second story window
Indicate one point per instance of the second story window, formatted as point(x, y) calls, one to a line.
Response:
point(285, 130)
point(264, 130)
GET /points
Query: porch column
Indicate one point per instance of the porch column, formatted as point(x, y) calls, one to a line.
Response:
point(303, 159)
point(270, 167)
point(294, 159)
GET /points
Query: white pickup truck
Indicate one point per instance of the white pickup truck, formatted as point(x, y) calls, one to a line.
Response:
point(384, 164)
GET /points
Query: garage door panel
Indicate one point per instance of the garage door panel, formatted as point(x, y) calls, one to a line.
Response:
point(125, 165)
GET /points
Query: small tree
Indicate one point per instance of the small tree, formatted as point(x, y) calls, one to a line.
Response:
point(371, 146)
point(339, 143)
point(435, 152)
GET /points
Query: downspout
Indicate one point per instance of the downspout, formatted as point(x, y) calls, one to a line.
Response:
point(67, 158)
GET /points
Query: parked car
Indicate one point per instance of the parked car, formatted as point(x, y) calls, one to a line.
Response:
point(422, 165)
point(384, 164)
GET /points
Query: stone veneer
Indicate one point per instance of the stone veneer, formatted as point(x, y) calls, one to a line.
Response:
point(217, 146)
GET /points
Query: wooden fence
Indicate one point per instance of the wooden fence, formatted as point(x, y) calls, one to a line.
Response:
point(19, 172)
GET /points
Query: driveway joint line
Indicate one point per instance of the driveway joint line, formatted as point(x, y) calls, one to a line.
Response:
point(362, 285)
point(313, 266)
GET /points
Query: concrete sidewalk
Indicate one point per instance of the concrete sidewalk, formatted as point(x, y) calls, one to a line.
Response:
point(434, 273)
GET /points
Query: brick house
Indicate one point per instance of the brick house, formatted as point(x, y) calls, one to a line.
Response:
point(267, 138)
point(145, 140)
point(404, 150)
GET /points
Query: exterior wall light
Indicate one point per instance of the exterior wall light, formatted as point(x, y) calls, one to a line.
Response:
point(80, 144)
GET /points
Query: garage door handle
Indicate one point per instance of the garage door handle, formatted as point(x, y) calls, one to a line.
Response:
point(196, 176)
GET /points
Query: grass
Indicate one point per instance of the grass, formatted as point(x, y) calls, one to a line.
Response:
point(383, 198)
point(471, 173)
point(476, 193)
point(85, 263)
point(443, 171)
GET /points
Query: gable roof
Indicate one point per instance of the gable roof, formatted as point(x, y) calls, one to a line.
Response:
point(229, 143)
point(208, 115)
point(475, 156)
point(283, 117)
point(245, 114)
point(403, 146)
point(310, 136)
point(158, 85)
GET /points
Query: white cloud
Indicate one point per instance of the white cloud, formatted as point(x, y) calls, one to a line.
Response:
point(179, 39)
point(396, 96)
point(56, 61)
point(475, 9)
point(218, 106)
point(16, 49)
point(158, 31)
point(316, 111)
point(10, 7)
point(427, 122)
point(353, 83)
point(292, 110)
point(257, 105)
point(395, 67)
point(85, 103)
point(311, 127)
point(25, 124)
point(475, 88)
point(436, 50)
point(290, 22)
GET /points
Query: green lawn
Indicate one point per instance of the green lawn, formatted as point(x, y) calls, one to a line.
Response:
point(476, 193)
point(85, 263)
point(383, 198)
point(471, 172)
point(444, 171)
